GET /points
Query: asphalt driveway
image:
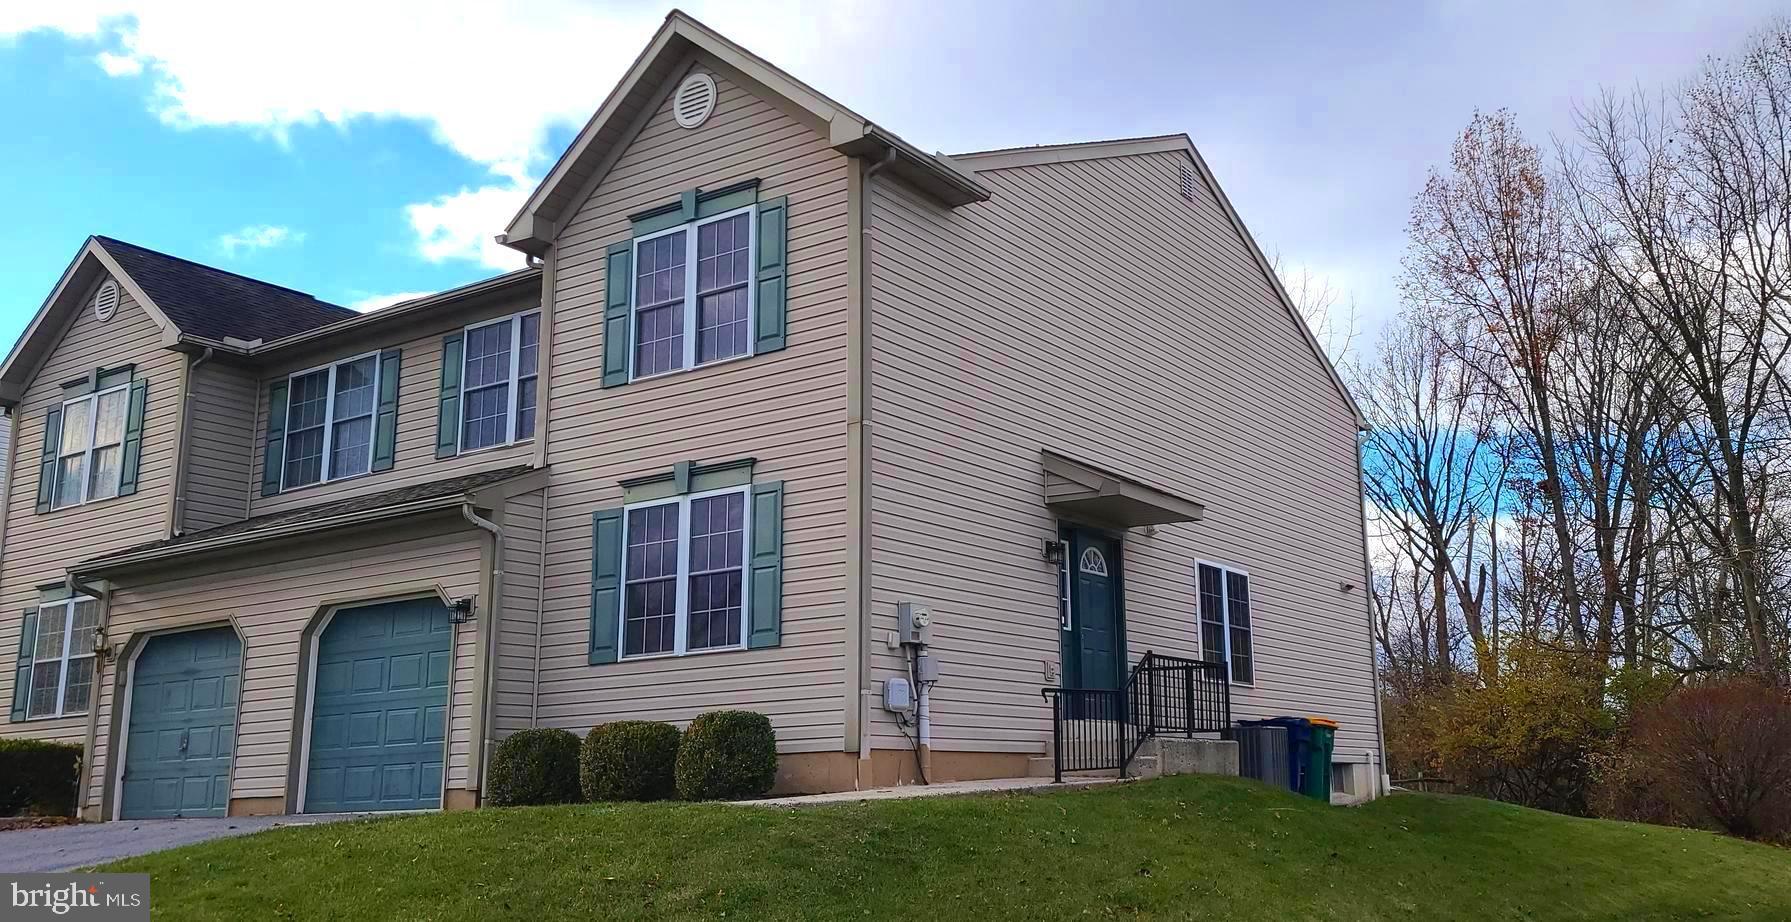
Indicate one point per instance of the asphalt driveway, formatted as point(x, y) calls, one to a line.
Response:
point(64, 848)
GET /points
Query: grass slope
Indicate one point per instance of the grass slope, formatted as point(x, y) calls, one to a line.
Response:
point(1183, 847)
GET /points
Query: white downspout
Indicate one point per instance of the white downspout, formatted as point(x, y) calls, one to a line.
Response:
point(862, 603)
point(487, 621)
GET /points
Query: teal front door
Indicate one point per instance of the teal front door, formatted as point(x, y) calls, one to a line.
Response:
point(182, 725)
point(379, 716)
point(1094, 638)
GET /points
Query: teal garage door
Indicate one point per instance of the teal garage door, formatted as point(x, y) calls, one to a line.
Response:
point(379, 717)
point(182, 724)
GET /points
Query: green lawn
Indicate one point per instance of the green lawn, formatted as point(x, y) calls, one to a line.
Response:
point(1184, 847)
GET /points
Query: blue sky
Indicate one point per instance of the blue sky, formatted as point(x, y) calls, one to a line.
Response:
point(366, 150)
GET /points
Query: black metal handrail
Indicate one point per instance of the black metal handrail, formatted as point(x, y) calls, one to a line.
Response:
point(1102, 729)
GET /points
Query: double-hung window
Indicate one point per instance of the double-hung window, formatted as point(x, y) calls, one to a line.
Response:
point(684, 318)
point(62, 658)
point(329, 421)
point(90, 457)
point(684, 574)
point(501, 362)
point(1225, 619)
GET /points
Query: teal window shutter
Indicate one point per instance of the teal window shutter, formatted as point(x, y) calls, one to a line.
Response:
point(46, 471)
point(768, 335)
point(273, 452)
point(133, 438)
point(447, 420)
point(767, 588)
point(21, 674)
point(619, 276)
point(606, 585)
point(385, 425)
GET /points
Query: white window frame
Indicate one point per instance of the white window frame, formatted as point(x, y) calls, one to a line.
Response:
point(681, 621)
point(1225, 570)
point(688, 359)
point(515, 375)
point(329, 422)
point(68, 629)
point(87, 455)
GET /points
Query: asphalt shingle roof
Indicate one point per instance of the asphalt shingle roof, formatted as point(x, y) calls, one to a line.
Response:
point(213, 304)
point(372, 501)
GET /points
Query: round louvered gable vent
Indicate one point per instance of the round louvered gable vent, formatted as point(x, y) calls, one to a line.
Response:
point(105, 301)
point(694, 100)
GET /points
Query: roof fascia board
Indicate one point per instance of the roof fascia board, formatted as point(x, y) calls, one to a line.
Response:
point(91, 249)
point(1268, 271)
point(1070, 153)
point(516, 232)
point(405, 310)
point(614, 154)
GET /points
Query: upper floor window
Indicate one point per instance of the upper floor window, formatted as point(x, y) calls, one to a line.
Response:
point(498, 381)
point(90, 458)
point(684, 318)
point(60, 653)
point(1225, 620)
point(329, 421)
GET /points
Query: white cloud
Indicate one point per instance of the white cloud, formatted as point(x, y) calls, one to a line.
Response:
point(375, 302)
point(488, 79)
point(462, 225)
point(259, 237)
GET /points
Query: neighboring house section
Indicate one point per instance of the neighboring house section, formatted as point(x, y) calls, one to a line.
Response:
point(772, 378)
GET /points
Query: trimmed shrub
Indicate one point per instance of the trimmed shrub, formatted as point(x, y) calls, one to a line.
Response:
point(533, 767)
point(38, 777)
point(628, 760)
point(727, 755)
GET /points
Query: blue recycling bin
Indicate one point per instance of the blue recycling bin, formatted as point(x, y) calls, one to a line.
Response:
point(1299, 746)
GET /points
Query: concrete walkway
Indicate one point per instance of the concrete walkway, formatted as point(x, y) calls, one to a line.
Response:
point(946, 789)
point(64, 848)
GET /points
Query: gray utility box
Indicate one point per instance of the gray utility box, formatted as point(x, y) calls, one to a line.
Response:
point(1262, 753)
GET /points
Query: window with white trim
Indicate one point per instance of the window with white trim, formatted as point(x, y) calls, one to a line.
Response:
point(90, 458)
point(683, 318)
point(62, 663)
point(498, 381)
point(329, 421)
point(1225, 620)
point(684, 574)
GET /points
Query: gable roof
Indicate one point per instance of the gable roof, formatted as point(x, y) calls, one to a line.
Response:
point(1012, 157)
point(644, 86)
point(211, 303)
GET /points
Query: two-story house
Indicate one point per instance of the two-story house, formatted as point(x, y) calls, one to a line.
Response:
point(773, 377)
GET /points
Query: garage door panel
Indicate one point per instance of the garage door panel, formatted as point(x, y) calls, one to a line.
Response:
point(180, 737)
point(435, 724)
point(440, 665)
point(380, 714)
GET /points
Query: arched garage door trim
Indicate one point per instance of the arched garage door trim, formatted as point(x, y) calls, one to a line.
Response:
point(306, 712)
point(125, 689)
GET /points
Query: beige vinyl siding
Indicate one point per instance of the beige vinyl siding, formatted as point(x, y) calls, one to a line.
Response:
point(1089, 309)
point(786, 409)
point(40, 547)
point(269, 600)
point(220, 461)
point(419, 389)
point(513, 691)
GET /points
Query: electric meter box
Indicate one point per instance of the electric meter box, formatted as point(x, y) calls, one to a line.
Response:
point(914, 623)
